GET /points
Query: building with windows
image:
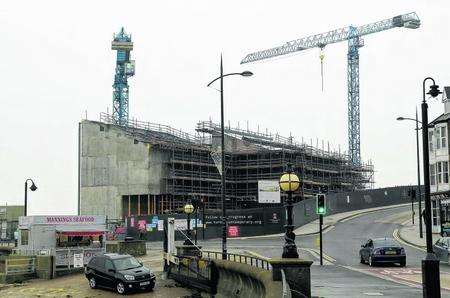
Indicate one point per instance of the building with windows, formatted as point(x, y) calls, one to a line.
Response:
point(438, 132)
point(9, 219)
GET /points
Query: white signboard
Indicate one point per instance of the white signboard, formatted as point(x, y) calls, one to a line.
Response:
point(160, 225)
point(78, 260)
point(180, 224)
point(268, 191)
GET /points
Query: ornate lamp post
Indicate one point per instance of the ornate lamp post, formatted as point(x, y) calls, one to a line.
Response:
point(430, 265)
point(33, 187)
point(188, 209)
point(289, 183)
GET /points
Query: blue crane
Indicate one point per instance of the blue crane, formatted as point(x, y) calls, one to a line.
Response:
point(124, 69)
point(354, 37)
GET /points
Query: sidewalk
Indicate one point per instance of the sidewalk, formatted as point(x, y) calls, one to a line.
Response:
point(409, 233)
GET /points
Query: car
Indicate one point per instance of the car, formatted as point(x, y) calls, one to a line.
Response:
point(441, 249)
point(382, 250)
point(122, 273)
point(445, 229)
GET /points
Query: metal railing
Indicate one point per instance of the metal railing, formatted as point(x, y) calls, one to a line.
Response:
point(244, 259)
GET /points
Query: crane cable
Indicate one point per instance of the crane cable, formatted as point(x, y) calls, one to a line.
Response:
point(321, 56)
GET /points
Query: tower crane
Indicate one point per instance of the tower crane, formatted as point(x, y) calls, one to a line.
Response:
point(354, 37)
point(124, 69)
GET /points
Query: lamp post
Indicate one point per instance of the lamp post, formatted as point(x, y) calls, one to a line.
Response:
point(33, 187)
point(195, 203)
point(289, 183)
point(419, 191)
point(188, 209)
point(222, 135)
point(430, 265)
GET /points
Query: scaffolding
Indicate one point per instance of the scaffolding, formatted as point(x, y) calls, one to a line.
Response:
point(254, 156)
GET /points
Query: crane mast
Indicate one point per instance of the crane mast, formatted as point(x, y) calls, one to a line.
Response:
point(124, 69)
point(354, 37)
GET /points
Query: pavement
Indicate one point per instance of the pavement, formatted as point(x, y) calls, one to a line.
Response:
point(409, 233)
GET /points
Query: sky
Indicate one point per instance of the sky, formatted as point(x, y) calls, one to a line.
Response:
point(57, 68)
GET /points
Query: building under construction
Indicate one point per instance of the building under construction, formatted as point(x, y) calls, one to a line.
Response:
point(143, 168)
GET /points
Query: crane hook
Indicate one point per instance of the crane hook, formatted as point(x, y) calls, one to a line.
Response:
point(321, 56)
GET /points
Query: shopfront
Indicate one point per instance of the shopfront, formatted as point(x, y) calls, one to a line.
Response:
point(440, 207)
point(68, 238)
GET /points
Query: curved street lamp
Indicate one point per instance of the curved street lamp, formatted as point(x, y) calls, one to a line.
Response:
point(188, 209)
point(430, 265)
point(33, 187)
point(289, 183)
point(224, 215)
point(419, 191)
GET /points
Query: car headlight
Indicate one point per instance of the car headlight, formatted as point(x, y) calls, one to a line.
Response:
point(128, 277)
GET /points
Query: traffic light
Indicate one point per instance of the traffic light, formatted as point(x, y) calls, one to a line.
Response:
point(321, 207)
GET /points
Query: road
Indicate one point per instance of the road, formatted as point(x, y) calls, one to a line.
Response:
point(342, 274)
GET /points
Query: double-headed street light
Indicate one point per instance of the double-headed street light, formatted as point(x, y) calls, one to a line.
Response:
point(430, 265)
point(224, 219)
point(188, 209)
point(289, 183)
point(33, 187)
point(419, 191)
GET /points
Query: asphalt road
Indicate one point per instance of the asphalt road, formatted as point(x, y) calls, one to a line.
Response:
point(343, 275)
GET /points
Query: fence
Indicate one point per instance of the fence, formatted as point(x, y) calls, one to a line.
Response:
point(20, 265)
point(244, 259)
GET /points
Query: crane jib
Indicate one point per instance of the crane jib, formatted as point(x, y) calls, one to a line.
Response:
point(353, 36)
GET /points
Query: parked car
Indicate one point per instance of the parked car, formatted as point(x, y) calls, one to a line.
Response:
point(123, 273)
point(441, 249)
point(445, 229)
point(382, 250)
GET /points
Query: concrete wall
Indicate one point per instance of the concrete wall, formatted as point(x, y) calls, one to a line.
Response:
point(112, 165)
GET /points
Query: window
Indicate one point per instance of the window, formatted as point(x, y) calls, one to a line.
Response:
point(443, 139)
point(430, 140)
point(445, 171)
point(108, 265)
point(24, 234)
point(437, 133)
point(439, 172)
point(432, 174)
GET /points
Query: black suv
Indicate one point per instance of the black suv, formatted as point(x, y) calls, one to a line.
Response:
point(120, 272)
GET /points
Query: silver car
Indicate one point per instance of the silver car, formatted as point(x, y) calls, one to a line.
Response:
point(442, 248)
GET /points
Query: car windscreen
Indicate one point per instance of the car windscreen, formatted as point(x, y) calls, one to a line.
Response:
point(126, 263)
point(384, 243)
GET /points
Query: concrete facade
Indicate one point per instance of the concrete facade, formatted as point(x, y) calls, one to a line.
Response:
point(113, 165)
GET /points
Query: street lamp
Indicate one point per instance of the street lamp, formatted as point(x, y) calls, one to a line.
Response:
point(289, 183)
point(188, 209)
point(430, 265)
point(33, 187)
point(419, 191)
point(222, 135)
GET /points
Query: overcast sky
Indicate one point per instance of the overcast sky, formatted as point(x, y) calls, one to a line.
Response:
point(56, 63)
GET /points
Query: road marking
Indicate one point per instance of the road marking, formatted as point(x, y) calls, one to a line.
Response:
point(396, 236)
point(374, 294)
point(316, 253)
point(385, 277)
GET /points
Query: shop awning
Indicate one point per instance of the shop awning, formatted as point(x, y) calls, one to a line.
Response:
point(82, 233)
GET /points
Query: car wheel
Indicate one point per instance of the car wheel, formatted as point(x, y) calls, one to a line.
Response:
point(120, 288)
point(92, 282)
point(444, 234)
point(403, 263)
point(371, 262)
point(150, 287)
point(362, 260)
